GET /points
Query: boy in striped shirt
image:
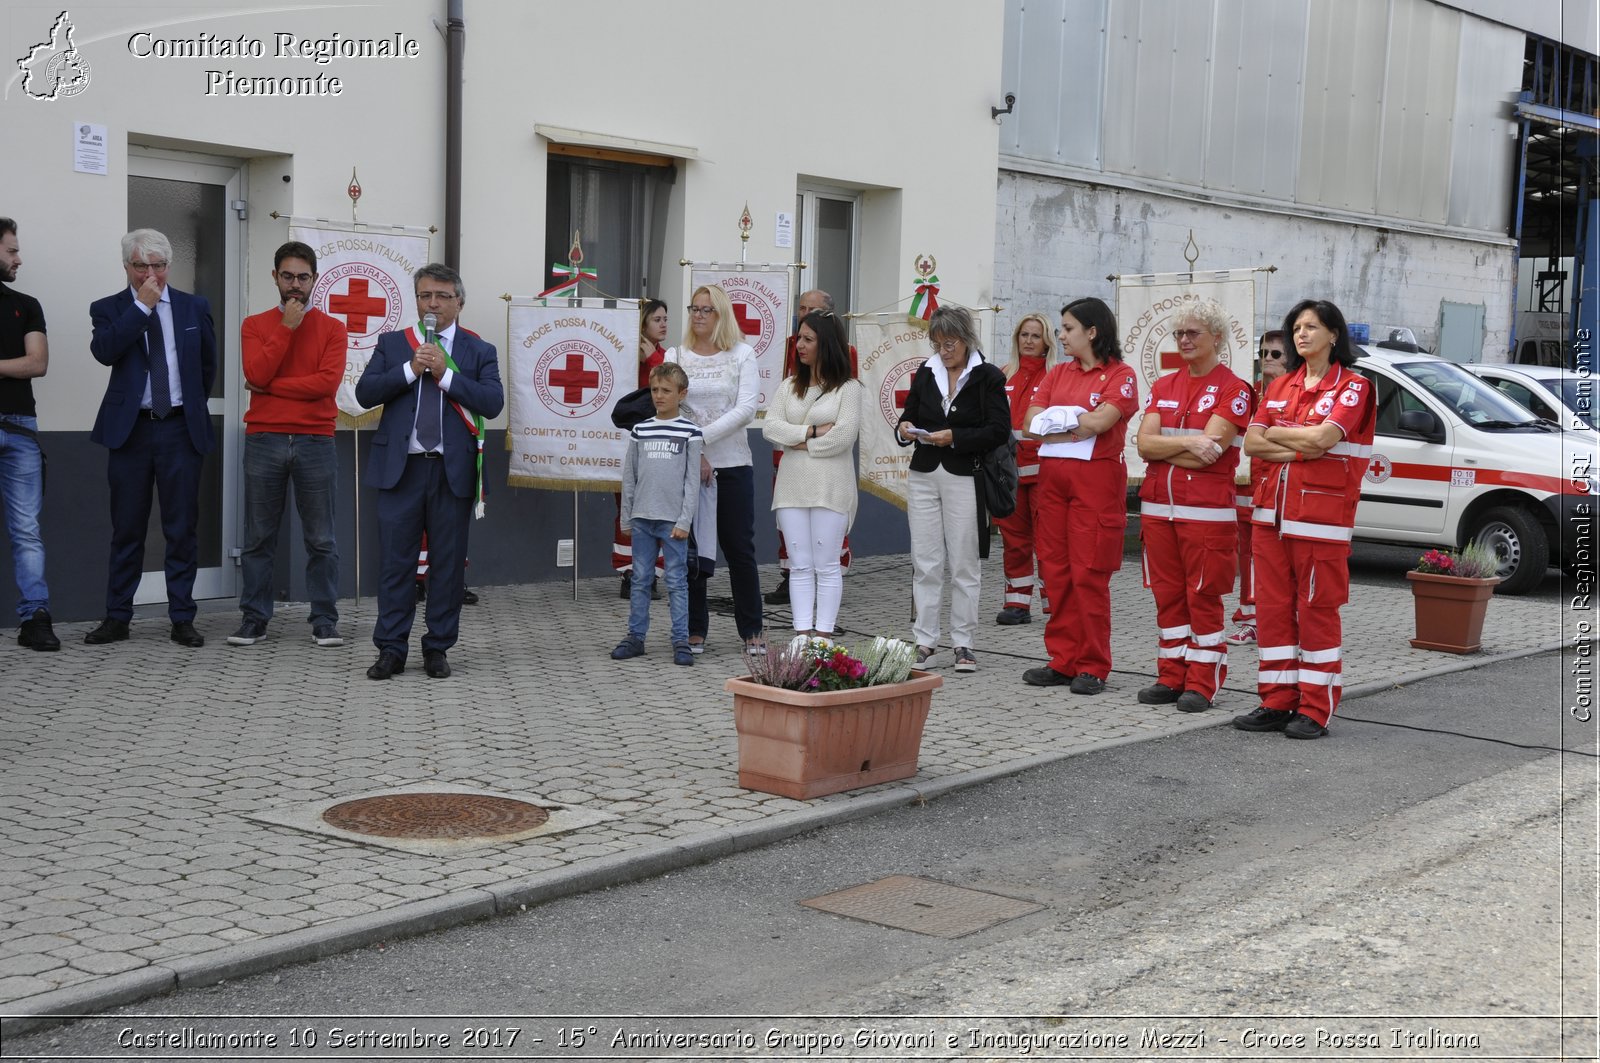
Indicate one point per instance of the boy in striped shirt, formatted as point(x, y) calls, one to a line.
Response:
point(660, 486)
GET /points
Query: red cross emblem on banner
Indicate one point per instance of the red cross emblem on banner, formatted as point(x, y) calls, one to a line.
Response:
point(356, 305)
point(573, 379)
point(900, 395)
point(748, 324)
point(1171, 360)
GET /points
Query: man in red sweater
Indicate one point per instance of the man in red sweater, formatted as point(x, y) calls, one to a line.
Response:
point(294, 356)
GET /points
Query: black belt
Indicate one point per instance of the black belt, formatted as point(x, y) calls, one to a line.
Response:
point(427, 454)
point(145, 411)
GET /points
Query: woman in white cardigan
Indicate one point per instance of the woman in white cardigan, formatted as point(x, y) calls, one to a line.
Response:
point(815, 417)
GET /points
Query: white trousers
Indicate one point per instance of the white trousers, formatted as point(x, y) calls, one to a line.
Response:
point(942, 510)
point(816, 581)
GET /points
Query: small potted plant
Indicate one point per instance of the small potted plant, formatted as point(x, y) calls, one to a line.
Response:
point(1452, 592)
point(814, 718)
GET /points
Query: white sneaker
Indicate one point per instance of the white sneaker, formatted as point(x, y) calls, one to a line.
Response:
point(1243, 635)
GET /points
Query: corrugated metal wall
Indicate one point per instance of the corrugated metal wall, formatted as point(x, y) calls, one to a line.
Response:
point(1394, 109)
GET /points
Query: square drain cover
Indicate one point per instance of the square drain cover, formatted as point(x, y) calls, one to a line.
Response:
point(923, 906)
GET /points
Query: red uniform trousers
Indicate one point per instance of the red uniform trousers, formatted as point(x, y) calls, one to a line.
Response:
point(1082, 508)
point(1189, 566)
point(1016, 532)
point(1300, 586)
point(783, 547)
point(1246, 613)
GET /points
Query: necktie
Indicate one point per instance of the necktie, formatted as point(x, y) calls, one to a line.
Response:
point(429, 430)
point(156, 351)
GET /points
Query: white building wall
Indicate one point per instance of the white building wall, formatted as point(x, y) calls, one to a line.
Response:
point(765, 95)
point(1057, 240)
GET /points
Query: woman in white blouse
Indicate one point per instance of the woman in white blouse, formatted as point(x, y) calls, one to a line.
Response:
point(723, 391)
point(815, 417)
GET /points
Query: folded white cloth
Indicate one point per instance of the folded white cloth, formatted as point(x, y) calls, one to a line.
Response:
point(1061, 419)
point(1056, 419)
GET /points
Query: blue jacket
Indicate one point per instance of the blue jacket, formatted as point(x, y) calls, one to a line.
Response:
point(118, 341)
point(475, 385)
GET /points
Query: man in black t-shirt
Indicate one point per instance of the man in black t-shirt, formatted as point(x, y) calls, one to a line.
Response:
point(24, 354)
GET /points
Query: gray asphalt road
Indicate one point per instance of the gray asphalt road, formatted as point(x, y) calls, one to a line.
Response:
point(1298, 862)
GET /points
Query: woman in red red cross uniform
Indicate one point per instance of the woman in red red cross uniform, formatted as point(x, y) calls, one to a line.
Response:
point(1315, 427)
point(1033, 353)
point(1082, 509)
point(1189, 438)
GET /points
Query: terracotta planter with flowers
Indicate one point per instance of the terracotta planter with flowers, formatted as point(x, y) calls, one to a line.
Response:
point(838, 731)
point(1451, 594)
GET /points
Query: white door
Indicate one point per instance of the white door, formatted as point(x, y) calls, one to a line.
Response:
point(195, 200)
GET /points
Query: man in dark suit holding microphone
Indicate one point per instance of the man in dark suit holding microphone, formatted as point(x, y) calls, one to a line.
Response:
point(162, 351)
point(436, 383)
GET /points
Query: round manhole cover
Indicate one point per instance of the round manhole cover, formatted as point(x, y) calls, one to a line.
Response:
point(435, 816)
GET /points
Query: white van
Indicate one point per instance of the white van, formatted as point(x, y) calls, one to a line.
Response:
point(1454, 461)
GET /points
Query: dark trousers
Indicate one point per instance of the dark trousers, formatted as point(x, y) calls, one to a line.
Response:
point(736, 535)
point(158, 455)
point(420, 502)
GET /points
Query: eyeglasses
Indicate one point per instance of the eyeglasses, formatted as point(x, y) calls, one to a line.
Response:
point(1187, 334)
point(945, 346)
point(295, 278)
point(1274, 355)
point(701, 311)
point(148, 267)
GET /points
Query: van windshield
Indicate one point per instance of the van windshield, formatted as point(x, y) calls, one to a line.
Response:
point(1474, 401)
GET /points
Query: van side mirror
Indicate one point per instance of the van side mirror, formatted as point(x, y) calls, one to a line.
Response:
point(1422, 423)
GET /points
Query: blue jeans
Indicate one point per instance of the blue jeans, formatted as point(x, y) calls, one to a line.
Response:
point(649, 536)
point(272, 460)
point(22, 494)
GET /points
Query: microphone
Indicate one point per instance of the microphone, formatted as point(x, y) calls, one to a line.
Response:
point(430, 328)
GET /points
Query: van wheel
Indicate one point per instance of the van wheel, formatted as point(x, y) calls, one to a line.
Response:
point(1519, 542)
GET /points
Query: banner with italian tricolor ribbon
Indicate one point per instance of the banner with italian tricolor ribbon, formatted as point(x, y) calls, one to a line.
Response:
point(568, 366)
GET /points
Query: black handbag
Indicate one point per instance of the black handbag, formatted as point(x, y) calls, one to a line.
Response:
point(997, 478)
point(632, 408)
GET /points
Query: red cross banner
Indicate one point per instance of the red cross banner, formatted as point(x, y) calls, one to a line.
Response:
point(364, 280)
point(891, 350)
point(568, 367)
point(762, 309)
point(1147, 306)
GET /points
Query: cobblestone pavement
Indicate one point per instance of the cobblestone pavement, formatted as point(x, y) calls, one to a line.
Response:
point(131, 772)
